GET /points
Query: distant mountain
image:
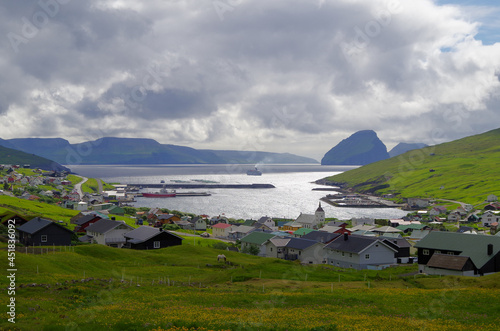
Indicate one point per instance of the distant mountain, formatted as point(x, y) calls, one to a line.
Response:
point(111, 150)
point(363, 147)
point(465, 170)
point(261, 157)
point(12, 156)
point(405, 147)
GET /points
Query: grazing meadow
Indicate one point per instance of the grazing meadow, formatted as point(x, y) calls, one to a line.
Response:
point(92, 287)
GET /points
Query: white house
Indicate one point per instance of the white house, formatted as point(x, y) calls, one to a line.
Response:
point(363, 221)
point(490, 217)
point(221, 230)
point(359, 252)
point(492, 198)
point(108, 232)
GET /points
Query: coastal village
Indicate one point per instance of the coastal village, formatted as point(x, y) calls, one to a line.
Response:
point(464, 240)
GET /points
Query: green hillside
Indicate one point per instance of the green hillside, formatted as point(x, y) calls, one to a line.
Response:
point(465, 170)
point(92, 287)
point(31, 209)
point(12, 156)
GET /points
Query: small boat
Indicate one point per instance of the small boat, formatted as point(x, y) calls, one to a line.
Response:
point(162, 181)
point(254, 172)
point(163, 193)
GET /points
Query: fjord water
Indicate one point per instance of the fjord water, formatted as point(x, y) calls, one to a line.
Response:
point(293, 193)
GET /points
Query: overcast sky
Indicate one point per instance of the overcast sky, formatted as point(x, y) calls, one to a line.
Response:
point(292, 76)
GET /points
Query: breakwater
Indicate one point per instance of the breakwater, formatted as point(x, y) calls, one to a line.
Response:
point(203, 185)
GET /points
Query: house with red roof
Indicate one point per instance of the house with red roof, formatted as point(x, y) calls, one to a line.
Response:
point(221, 230)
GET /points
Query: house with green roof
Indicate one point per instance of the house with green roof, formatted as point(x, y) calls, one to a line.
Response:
point(301, 232)
point(453, 253)
point(256, 239)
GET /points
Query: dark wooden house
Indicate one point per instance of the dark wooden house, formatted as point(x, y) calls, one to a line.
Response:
point(479, 254)
point(83, 222)
point(146, 237)
point(8, 217)
point(42, 232)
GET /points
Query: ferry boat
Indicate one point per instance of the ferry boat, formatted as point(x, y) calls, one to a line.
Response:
point(254, 172)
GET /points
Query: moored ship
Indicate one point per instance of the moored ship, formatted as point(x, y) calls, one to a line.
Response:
point(163, 193)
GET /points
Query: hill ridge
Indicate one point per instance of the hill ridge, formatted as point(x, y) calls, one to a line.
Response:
point(463, 170)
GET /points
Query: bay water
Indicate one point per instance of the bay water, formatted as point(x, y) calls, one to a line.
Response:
point(293, 193)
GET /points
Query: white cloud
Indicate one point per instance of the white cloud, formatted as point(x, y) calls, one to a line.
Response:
point(286, 76)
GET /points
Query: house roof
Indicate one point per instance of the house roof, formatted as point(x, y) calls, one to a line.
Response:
point(300, 243)
point(166, 216)
point(363, 227)
point(249, 222)
point(37, 224)
point(400, 242)
point(143, 233)
point(392, 235)
point(105, 225)
point(257, 238)
point(331, 229)
point(474, 247)
point(84, 219)
point(221, 226)
point(279, 241)
point(243, 229)
point(306, 219)
point(302, 231)
point(264, 219)
point(337, 223)
point(450, 262)
point(385, 229)
point(411, 226)
point(320, 236)
point(354, 244)
point(364, 233)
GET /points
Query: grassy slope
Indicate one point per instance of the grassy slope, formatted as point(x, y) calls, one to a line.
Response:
point(465, 170)
point(265, 294)
point(35, 208)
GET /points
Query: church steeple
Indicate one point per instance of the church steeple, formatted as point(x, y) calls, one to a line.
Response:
point(319, 214)
point(319, 208)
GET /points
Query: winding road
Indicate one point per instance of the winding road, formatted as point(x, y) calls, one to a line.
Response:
point(78, 187)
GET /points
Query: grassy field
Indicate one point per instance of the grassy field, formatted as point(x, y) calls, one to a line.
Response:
point(463, 170)
point(32, 209)
point(93, 287)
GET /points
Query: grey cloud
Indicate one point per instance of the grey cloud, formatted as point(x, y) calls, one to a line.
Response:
point(279, 68)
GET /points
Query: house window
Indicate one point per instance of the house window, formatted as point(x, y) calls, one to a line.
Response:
point(156, 244)
point(437, 252)
point(450, 253)
point(425, 252)
point(43, 238)
point(350, 254)
point(300, 252)
point(343, 254)
point(367, 256)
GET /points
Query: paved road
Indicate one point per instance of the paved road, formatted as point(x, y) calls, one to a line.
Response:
point(78, 187)
point(99, 185)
